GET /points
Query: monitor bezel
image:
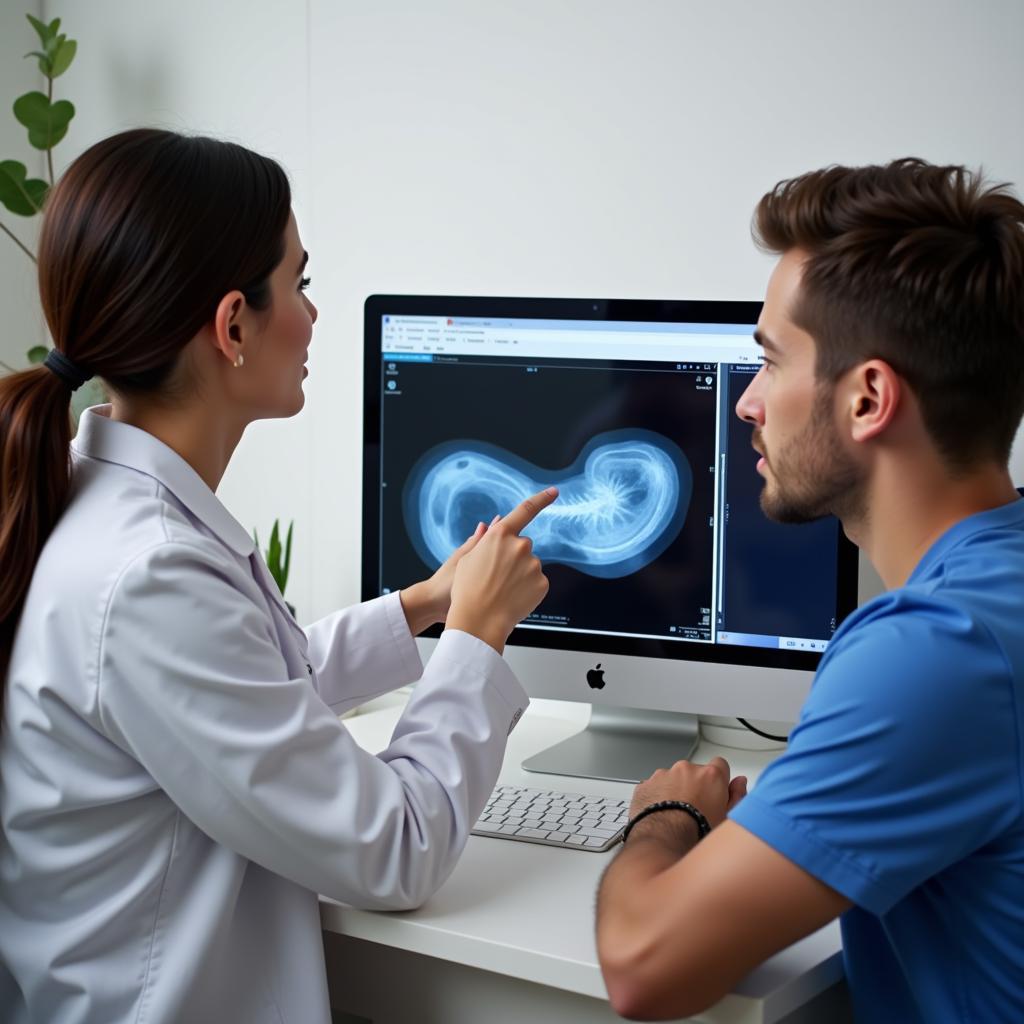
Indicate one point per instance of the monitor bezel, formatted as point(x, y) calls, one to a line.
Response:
point(638, 310)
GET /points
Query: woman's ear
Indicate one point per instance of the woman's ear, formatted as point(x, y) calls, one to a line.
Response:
point(874, 391)
point(227, 325)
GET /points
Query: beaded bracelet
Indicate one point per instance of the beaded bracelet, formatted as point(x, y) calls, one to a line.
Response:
point(703, 826)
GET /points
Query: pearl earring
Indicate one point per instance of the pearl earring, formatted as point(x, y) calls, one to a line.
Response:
point(239, 360)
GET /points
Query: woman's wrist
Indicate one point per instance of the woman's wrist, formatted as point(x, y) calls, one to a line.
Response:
point(482, 627)
point(421, 606)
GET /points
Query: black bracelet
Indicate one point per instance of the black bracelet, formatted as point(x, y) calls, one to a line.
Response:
point(703, 826)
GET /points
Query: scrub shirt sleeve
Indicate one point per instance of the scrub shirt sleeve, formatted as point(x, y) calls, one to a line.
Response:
point(898, 765)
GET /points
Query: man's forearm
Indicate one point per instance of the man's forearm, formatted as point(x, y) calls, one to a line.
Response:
point(654, 844)
point(629, 900)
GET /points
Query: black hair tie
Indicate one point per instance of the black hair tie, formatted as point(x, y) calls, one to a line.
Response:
point(68, 371)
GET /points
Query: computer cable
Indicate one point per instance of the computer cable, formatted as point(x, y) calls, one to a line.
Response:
point(761, 732)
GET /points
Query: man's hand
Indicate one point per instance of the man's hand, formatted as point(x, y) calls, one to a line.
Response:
point(706, 786)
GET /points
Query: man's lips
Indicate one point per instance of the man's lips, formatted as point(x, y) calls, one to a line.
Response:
point(763, 460)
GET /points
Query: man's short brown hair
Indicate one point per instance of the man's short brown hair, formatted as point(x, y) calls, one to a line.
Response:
point(921, 266)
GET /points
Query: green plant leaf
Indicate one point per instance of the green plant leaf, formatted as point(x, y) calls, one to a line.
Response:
point(42, 30)
point(18, 193)
point(43, 62)
point(274, 554)
point(37, 354)
point(47, 122)
point(63, 57)
point(287, 557)
point(53, 26)
point(53, 44)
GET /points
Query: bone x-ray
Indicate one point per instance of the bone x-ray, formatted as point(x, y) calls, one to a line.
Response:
point(627, 546)
point(621, 502)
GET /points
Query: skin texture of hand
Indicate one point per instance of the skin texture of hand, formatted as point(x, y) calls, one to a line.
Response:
point(428, 602)
point(499, 581)
point(706, 786)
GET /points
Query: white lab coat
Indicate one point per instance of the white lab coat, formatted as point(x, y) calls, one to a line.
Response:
point(175, 785)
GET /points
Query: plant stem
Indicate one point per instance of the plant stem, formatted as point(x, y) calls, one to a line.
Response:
point(17, 242)
point(9, 369)
point(49, 152)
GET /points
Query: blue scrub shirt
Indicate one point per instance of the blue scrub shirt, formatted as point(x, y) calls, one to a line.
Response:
point(902, 786)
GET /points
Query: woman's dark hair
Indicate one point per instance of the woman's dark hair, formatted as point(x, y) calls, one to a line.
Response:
point(142, 237)
point(922, 266)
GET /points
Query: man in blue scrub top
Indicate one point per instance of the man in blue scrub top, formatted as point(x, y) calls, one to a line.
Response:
point(891, 392)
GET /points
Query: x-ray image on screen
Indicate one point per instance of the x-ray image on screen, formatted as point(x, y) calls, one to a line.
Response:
point(621, 502)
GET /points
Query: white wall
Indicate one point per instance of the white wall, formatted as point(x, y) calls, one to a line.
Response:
point(580, 147)
point(22, 323)
point(238, 71)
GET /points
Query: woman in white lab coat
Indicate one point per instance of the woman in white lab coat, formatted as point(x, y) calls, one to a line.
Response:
point(175, 785)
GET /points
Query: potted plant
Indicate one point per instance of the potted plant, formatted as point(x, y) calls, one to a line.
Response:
point(279, 559)
point(47, 123)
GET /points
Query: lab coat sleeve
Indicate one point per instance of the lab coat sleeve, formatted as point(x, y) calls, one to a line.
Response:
point(190, 681)
point(363, 651)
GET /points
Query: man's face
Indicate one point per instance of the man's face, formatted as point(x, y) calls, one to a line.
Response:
point(807, 470)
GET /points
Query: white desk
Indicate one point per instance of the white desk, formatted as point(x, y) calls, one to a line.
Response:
point(509, 937)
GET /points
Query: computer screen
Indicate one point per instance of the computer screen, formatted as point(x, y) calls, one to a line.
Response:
point(669, 588)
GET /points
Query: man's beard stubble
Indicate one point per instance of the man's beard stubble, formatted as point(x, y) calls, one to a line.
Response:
point(812, 477)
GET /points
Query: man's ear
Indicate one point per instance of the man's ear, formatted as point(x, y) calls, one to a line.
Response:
point(872, 392)
point(227, 325)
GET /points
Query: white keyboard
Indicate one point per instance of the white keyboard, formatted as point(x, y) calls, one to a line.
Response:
point(571, 820)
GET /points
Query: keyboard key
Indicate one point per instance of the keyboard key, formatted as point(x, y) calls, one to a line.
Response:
point(558, 819)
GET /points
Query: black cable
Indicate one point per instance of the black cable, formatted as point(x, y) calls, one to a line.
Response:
point(761, 732)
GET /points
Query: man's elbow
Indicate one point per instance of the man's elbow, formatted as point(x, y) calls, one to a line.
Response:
point(626, 994)
point(642, 986)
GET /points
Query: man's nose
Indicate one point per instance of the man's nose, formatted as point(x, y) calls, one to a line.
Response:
point(750, 406)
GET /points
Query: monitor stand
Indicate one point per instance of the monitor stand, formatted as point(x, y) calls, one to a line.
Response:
point(621, 745)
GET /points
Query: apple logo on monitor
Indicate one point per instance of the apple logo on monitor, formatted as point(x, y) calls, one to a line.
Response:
point(595, 677)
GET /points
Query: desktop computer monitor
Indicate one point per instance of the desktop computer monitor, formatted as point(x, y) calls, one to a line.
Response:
point(671, 594)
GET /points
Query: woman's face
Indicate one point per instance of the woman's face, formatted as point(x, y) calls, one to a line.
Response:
point(275, 356)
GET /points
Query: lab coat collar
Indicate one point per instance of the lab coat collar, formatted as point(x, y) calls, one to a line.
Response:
point(100, 437)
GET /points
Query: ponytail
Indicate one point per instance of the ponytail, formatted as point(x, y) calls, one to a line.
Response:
point(35, 439)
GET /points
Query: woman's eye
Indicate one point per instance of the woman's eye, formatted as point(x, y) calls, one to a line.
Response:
point(304, 283)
